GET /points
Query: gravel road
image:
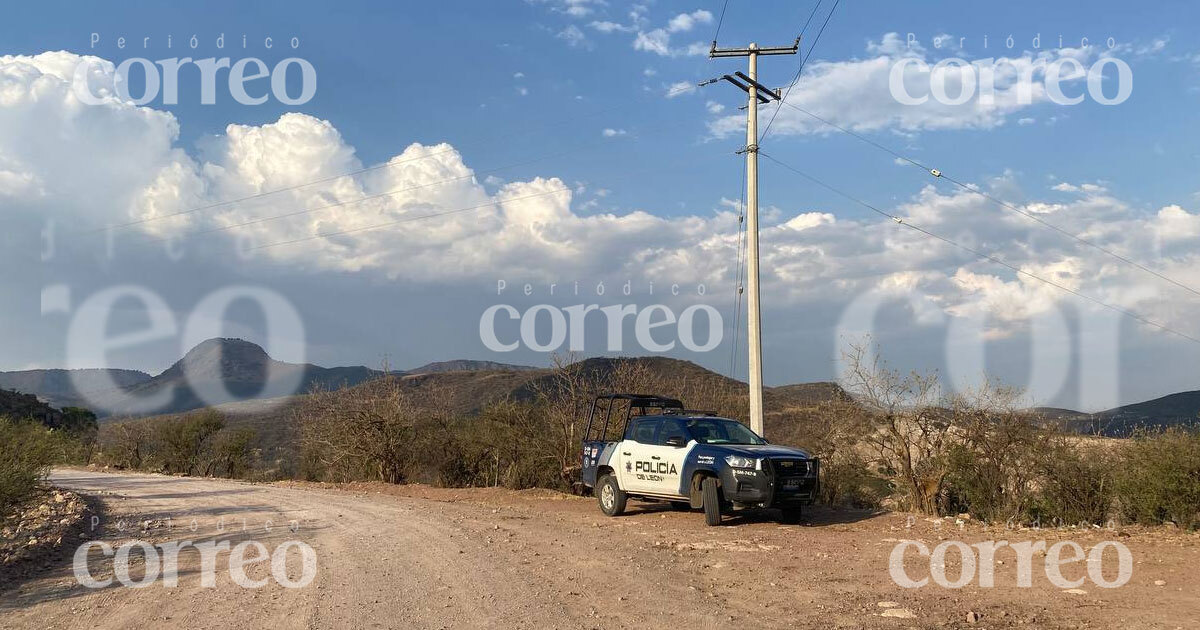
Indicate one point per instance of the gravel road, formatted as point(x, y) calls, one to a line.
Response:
point(419, 557)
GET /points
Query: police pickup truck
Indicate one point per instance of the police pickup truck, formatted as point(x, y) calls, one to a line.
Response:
point(651, 448)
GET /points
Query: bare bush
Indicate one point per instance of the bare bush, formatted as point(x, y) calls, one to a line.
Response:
point(912, 435)
point(368, 432)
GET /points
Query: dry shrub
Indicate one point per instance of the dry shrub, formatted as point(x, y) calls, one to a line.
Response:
point(27, 449)
point(1158, 479)
point(197, 443)
point(367, 432)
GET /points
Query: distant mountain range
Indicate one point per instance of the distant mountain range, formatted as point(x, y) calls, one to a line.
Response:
point(217, 371)
point(220, 371)
point(1181, 409)
point(67, 388)
point(464, 365)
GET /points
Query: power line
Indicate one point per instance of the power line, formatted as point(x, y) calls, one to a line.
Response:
point(983, 255)
point(803, 62)
point(410, 219)
point(720, 21)
point(937, 174)
point(737, 276)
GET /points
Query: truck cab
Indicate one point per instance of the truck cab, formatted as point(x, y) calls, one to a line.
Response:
point(650, 448)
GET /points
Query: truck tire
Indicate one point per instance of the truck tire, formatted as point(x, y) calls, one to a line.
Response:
point(610, 495)
point(712, 501)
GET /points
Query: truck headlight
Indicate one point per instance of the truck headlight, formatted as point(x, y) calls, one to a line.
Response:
point(737, 461)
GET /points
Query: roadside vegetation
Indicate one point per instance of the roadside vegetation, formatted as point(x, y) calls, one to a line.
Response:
point(891, 440)
point(196, 443)
point(34, 437)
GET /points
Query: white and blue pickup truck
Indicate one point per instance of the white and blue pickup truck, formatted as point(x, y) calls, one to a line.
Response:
point(651, 448)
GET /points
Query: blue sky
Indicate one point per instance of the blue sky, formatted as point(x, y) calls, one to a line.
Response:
point(393, 73)
point(529, 88)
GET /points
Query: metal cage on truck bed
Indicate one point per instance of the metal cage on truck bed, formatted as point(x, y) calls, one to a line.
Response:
point(642, 404)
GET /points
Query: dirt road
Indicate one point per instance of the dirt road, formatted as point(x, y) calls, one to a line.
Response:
point(418, 557)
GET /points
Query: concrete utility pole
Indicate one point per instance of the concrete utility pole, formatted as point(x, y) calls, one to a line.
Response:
point(757, 93)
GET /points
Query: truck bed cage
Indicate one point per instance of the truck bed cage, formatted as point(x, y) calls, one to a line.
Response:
point(642, 403)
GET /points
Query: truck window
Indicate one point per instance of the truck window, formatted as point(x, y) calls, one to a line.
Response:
point(643, 430)
point(672, 427)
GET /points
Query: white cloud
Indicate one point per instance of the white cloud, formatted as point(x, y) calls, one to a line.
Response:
point(519, 75)
point(685, 21)
point(657, 41)
point(573, 36)
point(679, 88)
point(572, 8)
point(611, 133)
point(714, 107)
point(536, 228)
point(855, 93)
point(605, 26)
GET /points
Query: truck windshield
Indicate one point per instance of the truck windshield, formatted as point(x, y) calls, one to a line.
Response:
point(720, 431)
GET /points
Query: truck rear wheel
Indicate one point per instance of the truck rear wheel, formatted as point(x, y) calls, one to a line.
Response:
point(712, 501)
point(612, 498)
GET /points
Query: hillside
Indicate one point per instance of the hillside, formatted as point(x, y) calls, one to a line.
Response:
point(18, 406)
point(69, 388)
point(219, 371)
point(216, 371)
point(1181, 409)
point(467, 365)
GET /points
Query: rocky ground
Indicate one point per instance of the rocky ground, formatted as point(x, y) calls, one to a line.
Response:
point(420, 557)
point(32, 538)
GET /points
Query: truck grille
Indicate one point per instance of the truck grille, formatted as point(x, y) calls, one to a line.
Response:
point(792, 467)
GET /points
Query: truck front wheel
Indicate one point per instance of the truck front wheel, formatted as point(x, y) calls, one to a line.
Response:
point(612, 498)
point(712, 501)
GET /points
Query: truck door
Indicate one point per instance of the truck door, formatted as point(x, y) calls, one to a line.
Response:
point(651, 461)
point(671, 446)
point(634, 453)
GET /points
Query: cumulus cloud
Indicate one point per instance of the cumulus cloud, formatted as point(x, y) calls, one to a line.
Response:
point(423, 217)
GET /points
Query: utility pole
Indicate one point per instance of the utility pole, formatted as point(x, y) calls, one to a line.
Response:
point(756, 93)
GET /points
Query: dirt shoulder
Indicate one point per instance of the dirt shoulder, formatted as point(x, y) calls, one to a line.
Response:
point(415, 556)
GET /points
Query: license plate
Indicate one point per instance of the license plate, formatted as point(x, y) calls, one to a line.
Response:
point(791, 484)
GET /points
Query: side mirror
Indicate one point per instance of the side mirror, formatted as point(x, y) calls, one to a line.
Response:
point(676, 440)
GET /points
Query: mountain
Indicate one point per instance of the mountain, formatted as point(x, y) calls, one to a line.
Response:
point(218, 371)
point(467, 365)
point(1181, 409)
point(69, 388)
point(214, 372)
point(467, 392)
point(20, 406)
